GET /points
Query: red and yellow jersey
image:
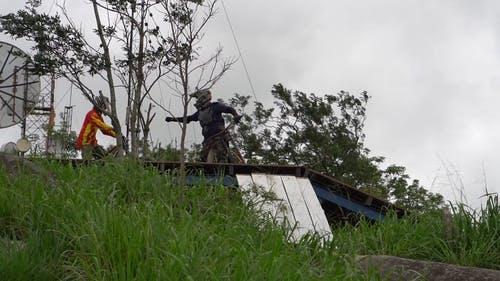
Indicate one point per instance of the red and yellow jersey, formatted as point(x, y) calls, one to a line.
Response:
point(93, 121)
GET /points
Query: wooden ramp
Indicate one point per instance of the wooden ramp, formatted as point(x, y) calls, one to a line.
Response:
point(341, 202)
point(287, 199)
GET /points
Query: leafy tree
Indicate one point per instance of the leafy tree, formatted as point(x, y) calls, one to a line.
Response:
point(187, 19)
point(408, 194)
point(64, 143)
point(135, 45)
point(167, 153)
point(325, 133)
point(150, 54)
point(147, 57)
point(62, 48)
point(193, 154)
point(62, 140)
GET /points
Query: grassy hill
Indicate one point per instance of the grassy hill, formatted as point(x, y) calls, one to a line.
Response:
point(121, 221)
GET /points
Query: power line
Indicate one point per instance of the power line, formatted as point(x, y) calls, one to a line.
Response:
point(239, 50)
point(52, 6)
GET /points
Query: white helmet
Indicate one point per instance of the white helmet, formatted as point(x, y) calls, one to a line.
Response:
point(203, 98)
point(101, 103)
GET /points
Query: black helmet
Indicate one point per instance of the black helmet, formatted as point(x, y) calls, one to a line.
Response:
point(101, 103)
point(203, 98)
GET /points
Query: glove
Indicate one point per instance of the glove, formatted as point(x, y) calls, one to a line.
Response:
point(169, 119)
point(237, 118)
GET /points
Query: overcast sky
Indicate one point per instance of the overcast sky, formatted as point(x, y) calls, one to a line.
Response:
point(432, 68)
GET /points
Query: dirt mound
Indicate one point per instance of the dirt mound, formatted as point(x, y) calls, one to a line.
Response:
point(16, 166)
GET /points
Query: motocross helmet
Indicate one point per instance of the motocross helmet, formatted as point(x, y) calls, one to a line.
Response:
point(203, 98)
point(101, 103)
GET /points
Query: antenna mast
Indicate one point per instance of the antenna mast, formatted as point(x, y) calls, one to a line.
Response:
point(39, 124)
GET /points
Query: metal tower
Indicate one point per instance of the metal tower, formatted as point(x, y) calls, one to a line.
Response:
point(41, 119)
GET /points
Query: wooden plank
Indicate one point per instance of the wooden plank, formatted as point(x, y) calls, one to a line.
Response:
point(256, 192)
point(268, 190)
point(321, 225)
point(282, 203)
point(298, 206)
point(287, 199)
point(252, 193)
point(245, 184)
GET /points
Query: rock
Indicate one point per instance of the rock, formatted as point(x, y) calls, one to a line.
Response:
point(15, 165)
point(395, 268)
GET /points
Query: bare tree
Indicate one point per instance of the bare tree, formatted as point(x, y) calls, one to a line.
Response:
point(152, 50)
point(109, 75)
point(187, 19)
point(64, 49)
point(147, 59)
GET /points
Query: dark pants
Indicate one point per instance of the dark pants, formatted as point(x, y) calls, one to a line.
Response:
point(215, 151)
point(92, 152)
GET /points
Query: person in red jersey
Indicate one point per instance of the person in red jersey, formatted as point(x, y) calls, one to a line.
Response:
point(87, 141)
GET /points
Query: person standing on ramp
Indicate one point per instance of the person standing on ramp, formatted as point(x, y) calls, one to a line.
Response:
point(209, 114)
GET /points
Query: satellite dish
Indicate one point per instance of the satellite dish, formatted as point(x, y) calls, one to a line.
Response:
point(23, 145)
point(19, 89)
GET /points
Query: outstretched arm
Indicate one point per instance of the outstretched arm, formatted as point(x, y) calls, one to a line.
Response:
point(173, 119)
point(192, 117)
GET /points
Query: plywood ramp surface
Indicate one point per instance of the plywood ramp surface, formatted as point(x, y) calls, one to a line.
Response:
point(289, 200)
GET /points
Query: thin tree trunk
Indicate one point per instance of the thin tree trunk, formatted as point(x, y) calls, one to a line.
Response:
point(109, 73)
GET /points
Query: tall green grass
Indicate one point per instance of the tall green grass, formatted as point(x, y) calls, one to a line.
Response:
point(122, 221)
point(475, 237)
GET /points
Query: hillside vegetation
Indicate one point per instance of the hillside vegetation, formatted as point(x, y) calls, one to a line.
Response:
point(121, 221)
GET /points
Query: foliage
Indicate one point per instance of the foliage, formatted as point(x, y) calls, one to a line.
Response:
point(475, 235)
point(139, 43)
point(122, 221)
point(63, 142)
point(325, 133)
point(187, 21)
point(59, 46)
point(410, 195)
point(169, 153)
point(193, 154)
point(475, 240)
point(322, 132)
